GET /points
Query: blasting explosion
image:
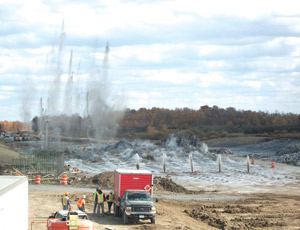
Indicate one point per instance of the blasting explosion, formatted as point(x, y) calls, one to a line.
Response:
point(77, 105)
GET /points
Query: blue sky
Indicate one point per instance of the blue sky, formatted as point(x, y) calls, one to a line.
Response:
point(169, 54)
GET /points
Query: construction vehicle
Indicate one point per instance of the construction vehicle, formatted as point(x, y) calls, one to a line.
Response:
point(133, 195)
point(17, 137)
point(69, 220)
point(25, 136)
point(37, 136)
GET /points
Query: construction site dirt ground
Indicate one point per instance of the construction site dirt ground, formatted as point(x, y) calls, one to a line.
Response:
point(275, 208)
point(216, 206)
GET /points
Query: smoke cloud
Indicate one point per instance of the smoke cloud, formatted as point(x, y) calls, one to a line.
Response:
point(27, 98)
point(79, 104)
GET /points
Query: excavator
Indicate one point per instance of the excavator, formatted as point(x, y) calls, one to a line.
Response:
point(37, 136)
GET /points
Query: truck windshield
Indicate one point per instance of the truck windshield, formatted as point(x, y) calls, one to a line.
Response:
point(139, 196)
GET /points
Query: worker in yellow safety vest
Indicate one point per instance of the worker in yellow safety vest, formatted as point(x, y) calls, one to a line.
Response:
point(95, 200)
point(100, 201)
point(66, 201)
point(110, 200)
point(81, 204)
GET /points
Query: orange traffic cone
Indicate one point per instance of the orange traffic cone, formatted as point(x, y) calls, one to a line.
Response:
point(64, 179)
point(273, 164)
point(37, 179)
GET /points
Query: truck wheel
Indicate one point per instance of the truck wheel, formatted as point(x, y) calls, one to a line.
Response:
point(153, 220)
point(116, 210)
point(125, 218)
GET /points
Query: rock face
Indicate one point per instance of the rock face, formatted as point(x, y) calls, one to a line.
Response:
point(279, 150)
point(182, 139)
point(289, 155)
point(180, 144)
point(177, 149)
point(221, 151)
point(121, 145)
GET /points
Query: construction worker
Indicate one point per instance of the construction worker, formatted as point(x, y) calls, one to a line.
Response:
point(81, 204)
point(95, 199)
point(66, 201)
point(100, 201)
point(110, 200)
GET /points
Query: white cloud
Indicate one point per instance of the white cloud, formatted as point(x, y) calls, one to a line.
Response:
point(249, 9)
point(254, 84)
point(151, 53)
point(3, 97)
point(170, 76)
point(7, 88)
point(270, 83)
point(207, 80)
point(163, 53)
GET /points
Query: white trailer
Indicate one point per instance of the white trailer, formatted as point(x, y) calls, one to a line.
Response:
point(14, 202)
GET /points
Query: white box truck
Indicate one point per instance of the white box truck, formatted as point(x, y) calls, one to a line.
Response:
point(14, 202)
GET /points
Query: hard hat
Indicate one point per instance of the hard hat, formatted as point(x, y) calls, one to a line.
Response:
point(83, 196)
point(99, 188)
point(70, 208)
point(111, 192)
point(66, 193)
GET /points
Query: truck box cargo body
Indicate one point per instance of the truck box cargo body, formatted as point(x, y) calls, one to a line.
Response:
point(131, 179)
point(133, 195)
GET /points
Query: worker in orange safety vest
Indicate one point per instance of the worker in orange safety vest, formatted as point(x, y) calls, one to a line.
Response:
point(81, 203)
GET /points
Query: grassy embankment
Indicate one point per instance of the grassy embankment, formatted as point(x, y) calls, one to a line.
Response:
point(154, 134)
point(6, 154)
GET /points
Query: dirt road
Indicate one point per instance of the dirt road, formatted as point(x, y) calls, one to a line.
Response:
point(278, 208)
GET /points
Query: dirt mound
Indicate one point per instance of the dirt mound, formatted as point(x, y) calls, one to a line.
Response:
point(241, 217)
point(6, 170)
point(210, 218)
point(165, 184)
point(241, 209)
point(105, 179)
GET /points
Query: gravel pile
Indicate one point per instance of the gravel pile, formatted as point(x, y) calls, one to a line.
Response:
point(165, 184)
point(289, 155)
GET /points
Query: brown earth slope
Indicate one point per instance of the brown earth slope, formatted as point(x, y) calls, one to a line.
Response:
point(6, 154)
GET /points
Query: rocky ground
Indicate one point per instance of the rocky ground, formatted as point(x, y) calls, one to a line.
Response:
point(283, 149)
point(181, 205)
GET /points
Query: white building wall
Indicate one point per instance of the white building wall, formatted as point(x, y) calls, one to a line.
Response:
point(13, 203)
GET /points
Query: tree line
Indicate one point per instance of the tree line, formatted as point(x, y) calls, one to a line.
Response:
point(14, 126)
point(207, 122)
point(155, 123)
